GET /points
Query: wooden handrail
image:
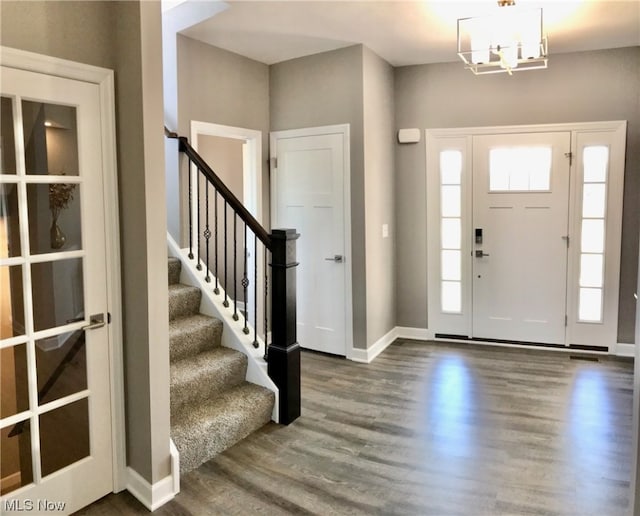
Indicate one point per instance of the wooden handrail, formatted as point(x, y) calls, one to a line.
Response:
point(227, 195)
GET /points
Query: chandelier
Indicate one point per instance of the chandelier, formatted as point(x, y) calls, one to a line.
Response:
point(511, 40)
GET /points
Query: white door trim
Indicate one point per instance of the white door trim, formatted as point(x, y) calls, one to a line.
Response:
point(345, 131)
point(616, 131)
point(104, 79)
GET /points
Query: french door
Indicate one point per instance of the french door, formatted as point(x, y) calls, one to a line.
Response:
point(55, 418)
point(524, 233)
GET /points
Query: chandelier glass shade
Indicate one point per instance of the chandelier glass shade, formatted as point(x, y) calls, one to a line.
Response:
point(509, 41)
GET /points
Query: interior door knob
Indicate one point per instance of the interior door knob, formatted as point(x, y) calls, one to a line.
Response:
point(337, 258)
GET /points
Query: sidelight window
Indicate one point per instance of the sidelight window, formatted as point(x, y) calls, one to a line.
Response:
point(592, 235)
point(451, 231)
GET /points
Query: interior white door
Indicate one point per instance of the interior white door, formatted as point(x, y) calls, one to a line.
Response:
point(520, 221)
point(56, 409)
point(309, 197)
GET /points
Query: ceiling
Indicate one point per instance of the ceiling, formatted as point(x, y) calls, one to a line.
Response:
point(402, 32)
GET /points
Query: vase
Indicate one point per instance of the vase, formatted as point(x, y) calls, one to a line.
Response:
point(56, 235)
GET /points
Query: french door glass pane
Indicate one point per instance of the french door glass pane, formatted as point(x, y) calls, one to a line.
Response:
point(16, 466)
point(61, 364)
point(54, 217)
point(9, 221)
point(50, 139)
point(11, 302)
point(58, 293)
point(13, 380)
point(7, 137)
point(64, 436)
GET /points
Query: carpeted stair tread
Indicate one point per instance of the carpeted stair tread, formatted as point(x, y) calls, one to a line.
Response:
point(212, 427)
point(175, 266)
point(193, 334)
point(183, 300)
point(199, 378)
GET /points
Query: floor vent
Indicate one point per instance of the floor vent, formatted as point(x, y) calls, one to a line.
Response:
point(588, 358)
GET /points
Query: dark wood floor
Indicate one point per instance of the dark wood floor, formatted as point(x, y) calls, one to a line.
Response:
point(431, 429)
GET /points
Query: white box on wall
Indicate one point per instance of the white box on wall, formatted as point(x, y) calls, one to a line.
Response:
point(409, 135)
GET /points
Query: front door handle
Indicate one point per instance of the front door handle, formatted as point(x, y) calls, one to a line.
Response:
point(480, 253)
point(337, 258)
point(95, 321)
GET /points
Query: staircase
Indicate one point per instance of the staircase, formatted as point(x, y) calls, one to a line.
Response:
point(212, 405)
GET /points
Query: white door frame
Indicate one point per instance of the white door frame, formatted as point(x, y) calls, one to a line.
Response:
point(614, 132)
point(344, 130)
point(104, 79)
point(251, 167)
point(251, 189)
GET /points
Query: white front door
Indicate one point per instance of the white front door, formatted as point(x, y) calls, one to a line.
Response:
point(55, 420)
point(520, 232)
point(308, 195)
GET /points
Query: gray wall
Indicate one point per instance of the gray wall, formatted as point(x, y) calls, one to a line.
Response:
point(327, 89)
point(379, 187)
point(578, 87)
point(221, 87)
point(108, 34)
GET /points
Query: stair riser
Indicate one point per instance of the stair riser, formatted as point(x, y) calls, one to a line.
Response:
point(187, 341)
point(206, 384)
point(184, 303)
point(175, 268)
point(220, 432)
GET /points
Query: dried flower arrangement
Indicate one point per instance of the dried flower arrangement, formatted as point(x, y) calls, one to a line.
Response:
point(60, 196)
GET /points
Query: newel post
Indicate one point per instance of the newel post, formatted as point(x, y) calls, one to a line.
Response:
point(284, 352)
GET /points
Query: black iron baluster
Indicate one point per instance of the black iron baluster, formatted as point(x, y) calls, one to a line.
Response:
point(199, 265)
point(255, 290)
point(266, 307)
point(216, 290)
point(190, 213)
point(235, 266)
point(207, 231)
point(226, 283)
point(245, 284)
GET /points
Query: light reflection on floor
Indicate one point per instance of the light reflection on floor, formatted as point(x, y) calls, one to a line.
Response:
point(452, 398)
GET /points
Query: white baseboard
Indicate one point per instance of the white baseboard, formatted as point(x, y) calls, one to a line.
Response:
point(405, 332)
point(367, 355)
point(151, 496)
point(625, 350)
point(175, 466)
